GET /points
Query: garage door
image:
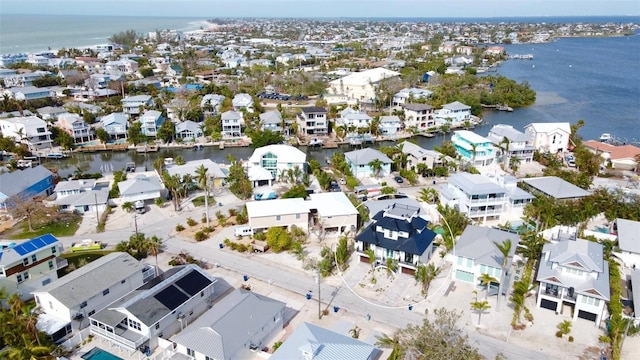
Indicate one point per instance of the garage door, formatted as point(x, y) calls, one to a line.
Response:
point(548, 304)
point(587, 315)
point(464, 276)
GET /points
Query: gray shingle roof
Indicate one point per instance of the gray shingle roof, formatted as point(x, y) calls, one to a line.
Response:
point(456, 105)
point(417, 107)
point(364, 156)
point(477, 243)
point(475, 184)
point(322, 344)
point(271, 117)
point(225, 329)
point(556, 187)
point(90, 280)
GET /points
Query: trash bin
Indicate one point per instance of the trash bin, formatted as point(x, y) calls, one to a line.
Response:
point(220, 245)
point(308, 296)
point(410, 307)
point(335, 309)
point(245, 277)
point(434, 182)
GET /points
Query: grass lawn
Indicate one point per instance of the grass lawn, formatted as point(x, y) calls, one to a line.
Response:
point(59, 225)
point(199, 201)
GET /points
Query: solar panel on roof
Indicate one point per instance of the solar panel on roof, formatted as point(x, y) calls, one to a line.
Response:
point(171, 297)
point(193, 282)
point(35, 244)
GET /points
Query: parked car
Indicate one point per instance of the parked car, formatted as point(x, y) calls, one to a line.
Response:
point(398, 179)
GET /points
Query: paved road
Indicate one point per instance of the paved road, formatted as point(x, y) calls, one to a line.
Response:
point(295, 280)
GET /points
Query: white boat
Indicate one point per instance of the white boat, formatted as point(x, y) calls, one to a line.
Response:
point(315, 142)
point(168, 161)
point(605, 137)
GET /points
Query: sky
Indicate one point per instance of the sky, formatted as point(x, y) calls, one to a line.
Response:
point(324, 8)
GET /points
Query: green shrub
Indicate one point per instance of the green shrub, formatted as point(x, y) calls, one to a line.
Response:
point(558, 334)
point(203, 219)
point(207, 230)
point(233, 212)
point(191, 222)
point(570, 338)
point(179, 227)
point(200, 236)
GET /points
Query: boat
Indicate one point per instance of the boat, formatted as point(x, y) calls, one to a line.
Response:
point(504, 107)
point(56, 155)
point(168, 161)
point(605, 137)
point(130, 167)
point(23, 164)
point(315, 142)
point(198, 147)
point(147, 149)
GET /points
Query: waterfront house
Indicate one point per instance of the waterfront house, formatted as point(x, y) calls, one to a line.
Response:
point(476, 253)
point(126, 66)
point(234, 328)
point(242, 101)
point(141, 187)
point(573, 273)
point(71, 299)
point(150, 122)
point(417, 155)
point(408, 95)
point(398, 232)
point(549, 137)
point(28, 93)
point(354, 119)
point(188, 130)
point(361, 87)
point(211, 103)
point(24, 79)
point(30, 265)
point(312, 120)
point(619, 157)
point(285, 213)
point(473, 148)
point(29, 130)
point(455, 112)
point(358, 161)
point(554, 187)
point(271, 120)
point(51, 112)
point(390, 125)
point(278, 159)
point(216, 175)
point(116, 125)
point(628, 232)
point(310, 341)
point(475, 195)
point(232, 124)
point(132, 105)
point(76, 127)
point(80, 196)
point(157, 309)
point(418, 116)
point(519, 144)
point(24, 184)
point(334, 212)
point(177, 108)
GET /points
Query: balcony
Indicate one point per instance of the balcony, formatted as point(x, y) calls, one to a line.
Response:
point(485, 212)
point(123, 337)
point(487, 200)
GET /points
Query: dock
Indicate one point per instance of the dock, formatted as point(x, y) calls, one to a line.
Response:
point(147, 149)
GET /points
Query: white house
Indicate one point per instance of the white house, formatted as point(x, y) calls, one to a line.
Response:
point(75, 126)
point(312, 120)
point(456, 111)
point(211, 103)
point(406, 95)
point(418, 116)
point(188, 130)
point(628, 232)
point(155, 310)
point(361, 86)
point(475, 254)
point(399, 232)
point(517, 144)
point(234, 328)
point(390, 125)
point(216, 175)
point(150, 122)
point(555, 187)
point(573, 273)
point(232, 123)
point(141, 187)
point(29, 130)
point(30, 265)
point(354, 118)
point(242, 101)
point(278, 158)
point(81, 197)
point(549, 137)
point(29, 93)
point(89, 289)
point(359, 160)
point(417, 155)
point(285, 213)
point(473, 148)
point(272, 121)
point(335, 212)
point(115, 124)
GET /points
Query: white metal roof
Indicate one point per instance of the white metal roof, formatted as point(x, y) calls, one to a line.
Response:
point(332, 204)
point(276, 207)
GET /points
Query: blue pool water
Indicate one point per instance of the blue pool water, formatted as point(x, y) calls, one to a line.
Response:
point(99, 354)
point(602, 229)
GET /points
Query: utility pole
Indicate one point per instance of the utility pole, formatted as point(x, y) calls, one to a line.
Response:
point(95, 198)
point(135, 221)
point(319, 304)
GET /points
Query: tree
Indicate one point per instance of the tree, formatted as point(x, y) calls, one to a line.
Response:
point(278, 239)
point(440, 338)
point(65, 140)
point(29, 209)
point(172, 184)
point(342, 253)
point(376, 166)
point(391, 266)
point(372, 261)
point(428, 195)
point(203, 180)
point(167, 131)
point(505, 250)
point(480, 307)
point(504, 144)
point(154, 246)
point(135, 135)
point(102, 135)
point(486, 280)
point(298, 191)
point(264, 138)
point(424, 275)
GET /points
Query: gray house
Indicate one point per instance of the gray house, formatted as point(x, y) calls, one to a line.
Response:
point(271, 120)
point(555, 187)
point(241, 322)
point(188, 130)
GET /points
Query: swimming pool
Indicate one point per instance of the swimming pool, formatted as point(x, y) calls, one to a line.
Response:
point(603, 229)
point(99, 354)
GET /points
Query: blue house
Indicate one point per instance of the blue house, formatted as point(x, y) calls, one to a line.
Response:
point(24, 184)
point(359, 160)
point(151, 121)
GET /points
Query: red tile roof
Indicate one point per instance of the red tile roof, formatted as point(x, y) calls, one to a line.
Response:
point(615, 152)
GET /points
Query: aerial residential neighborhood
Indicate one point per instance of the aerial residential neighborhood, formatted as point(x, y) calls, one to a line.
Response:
point(249, 191)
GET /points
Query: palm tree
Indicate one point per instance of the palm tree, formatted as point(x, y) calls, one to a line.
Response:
point(341, 131)
point(154, 246)
point(28, 350)
point(203, 180)
point(297, 173)
point(480, 307)
point(187, 182)
point(505, 154)
point(15, 304)
point(486, 280)
point(391, 266)
point(376, 166)
point(374, 126)
point(30, 319)
point(392, 342)
point(424, 275)
point(474, 146)
point(505, 250)
point(428, 195)
point(372, 261)
point(173, 185)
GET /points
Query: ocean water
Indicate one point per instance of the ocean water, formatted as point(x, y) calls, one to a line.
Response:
point(34, 33)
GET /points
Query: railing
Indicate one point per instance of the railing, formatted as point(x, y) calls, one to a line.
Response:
point(487, 200)
point(553, 293)
point(486, 212)
point(131, 345)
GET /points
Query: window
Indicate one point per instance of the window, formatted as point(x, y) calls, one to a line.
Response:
point(50, 264)
point(459, 260)
point(123, 281)
point(278, 217)
point(469, 262)
point(53, 250)
point(191, 352)
point(134, 325)
point(157, 326)
point(83, 305)
point(297, 216)
point(25, 261)
point(19, 278)
point(105, 292)
point(25, 275)
point(34, 258)
point(91, 312)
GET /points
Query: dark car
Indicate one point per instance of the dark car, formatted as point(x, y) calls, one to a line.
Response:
point(398, 179)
